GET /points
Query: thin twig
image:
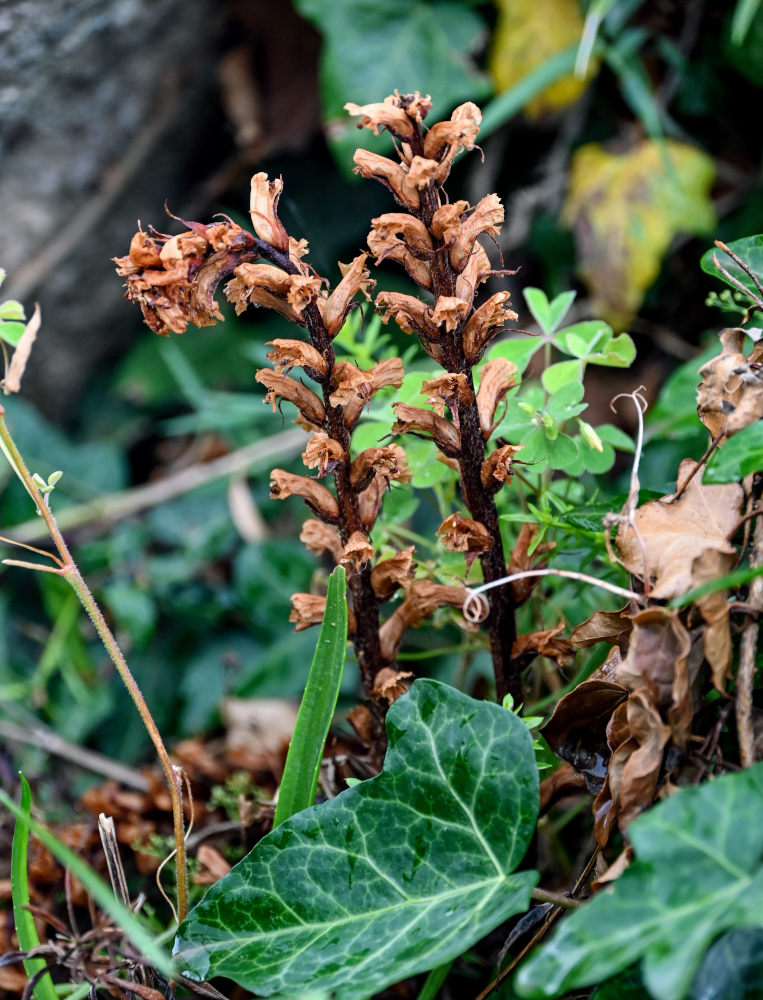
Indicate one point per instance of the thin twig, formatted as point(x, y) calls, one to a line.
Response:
point(560, 899)
point(114, 506)
point(745, 267)
point(747, 650)
point(40, 736)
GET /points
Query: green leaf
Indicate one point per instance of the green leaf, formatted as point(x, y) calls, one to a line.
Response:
point(538, 304)
point(26, 931)
point(392, 877)
point(749, 249)
point(559, 307)
point(372, 47)
point(303, 761)
point(697, 872)
point(737, 456)
point(744, 13)
point(555, 376)
point(519, 350)
point(11, 333)
point(11, 309)
point(732, 968)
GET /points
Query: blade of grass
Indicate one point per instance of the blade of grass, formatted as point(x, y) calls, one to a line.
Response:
point(434, 981)
point(26, 931)
point(735, 579)
point(141, 938)
point(303, 761)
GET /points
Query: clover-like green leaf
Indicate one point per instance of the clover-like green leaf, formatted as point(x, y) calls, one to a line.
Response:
point(394, 876)
point(698, 872)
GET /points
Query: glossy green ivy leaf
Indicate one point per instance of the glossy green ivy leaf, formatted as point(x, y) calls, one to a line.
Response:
point(732, 968)
point(372, 47)
point(394, 876)
point(749, 249)
point(698, 871)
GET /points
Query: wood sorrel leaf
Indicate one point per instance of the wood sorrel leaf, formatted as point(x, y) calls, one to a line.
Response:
point(698, 872)
point(394, 876)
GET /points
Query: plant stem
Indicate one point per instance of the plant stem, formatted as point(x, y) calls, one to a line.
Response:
point(70, 572)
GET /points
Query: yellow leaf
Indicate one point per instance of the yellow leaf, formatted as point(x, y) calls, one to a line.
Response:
point(625, 208)
point(528, 33)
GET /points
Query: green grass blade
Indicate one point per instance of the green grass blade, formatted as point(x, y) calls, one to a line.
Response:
point(735, 579)
point(511, 101)
point(142, 938)
point(25, 928)
point(744, 12)
point(303, 761)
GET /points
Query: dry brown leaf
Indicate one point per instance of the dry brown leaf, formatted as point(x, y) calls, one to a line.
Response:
point(674, 533)
point(603, 626)
point(520, 560)
point(548, 643)
point(730, 395)
point(714, 609)
point(17, 367)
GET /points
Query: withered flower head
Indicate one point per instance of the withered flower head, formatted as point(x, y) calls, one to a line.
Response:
point(389, 575)
point(497, 377)
point(317, 497)
point(263, 205)
point(462, 534)
point(288, 354)
point(404, 239)
point(448, 390)
point(284, 387)
point(447, 222)
point(357, 552)
point(322, 453)
point(411, 314)
point(320, 537)
point(303, 289)
point(353, 388)
point(485, 323)
point(427, 424)
point(498, 467)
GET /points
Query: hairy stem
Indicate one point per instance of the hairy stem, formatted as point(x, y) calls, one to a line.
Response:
point(70, 572)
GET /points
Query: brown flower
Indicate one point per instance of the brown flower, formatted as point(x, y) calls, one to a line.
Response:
point(263, 205)
point(320, 537)
point(388, 114)
point(317, 497)
point(411, 314)
point(413, 251)
point(462, 534)
point(369, 462)
point(306, 610)
point(353, 387)
point(451, 311)
point(427, 424)
point(389, 575)
point(496, 378)
point(476, 271)
point(449, 137)
point(485, 219)
point(284, 387)
point(288, 354)
point(355, 278)
point(448, 390)
point(421, 599)
point(498, 467)
point(357, 552)
point(485, 322)
point(393, 175)
point(268, 286)
point(447, 220)
point(390, 684)
point(322, 453)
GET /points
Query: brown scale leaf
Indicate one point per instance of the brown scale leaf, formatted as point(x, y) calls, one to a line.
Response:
point(675, 532)
point(730, 395)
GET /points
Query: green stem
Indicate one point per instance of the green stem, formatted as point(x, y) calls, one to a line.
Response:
point(70, 572)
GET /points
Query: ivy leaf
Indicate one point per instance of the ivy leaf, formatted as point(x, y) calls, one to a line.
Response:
point(749, 249)
point(372, 47)
point(625, 208)
point(394, 876)
point(698, 871)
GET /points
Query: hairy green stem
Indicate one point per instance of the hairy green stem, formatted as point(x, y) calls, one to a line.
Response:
point(70, 572)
